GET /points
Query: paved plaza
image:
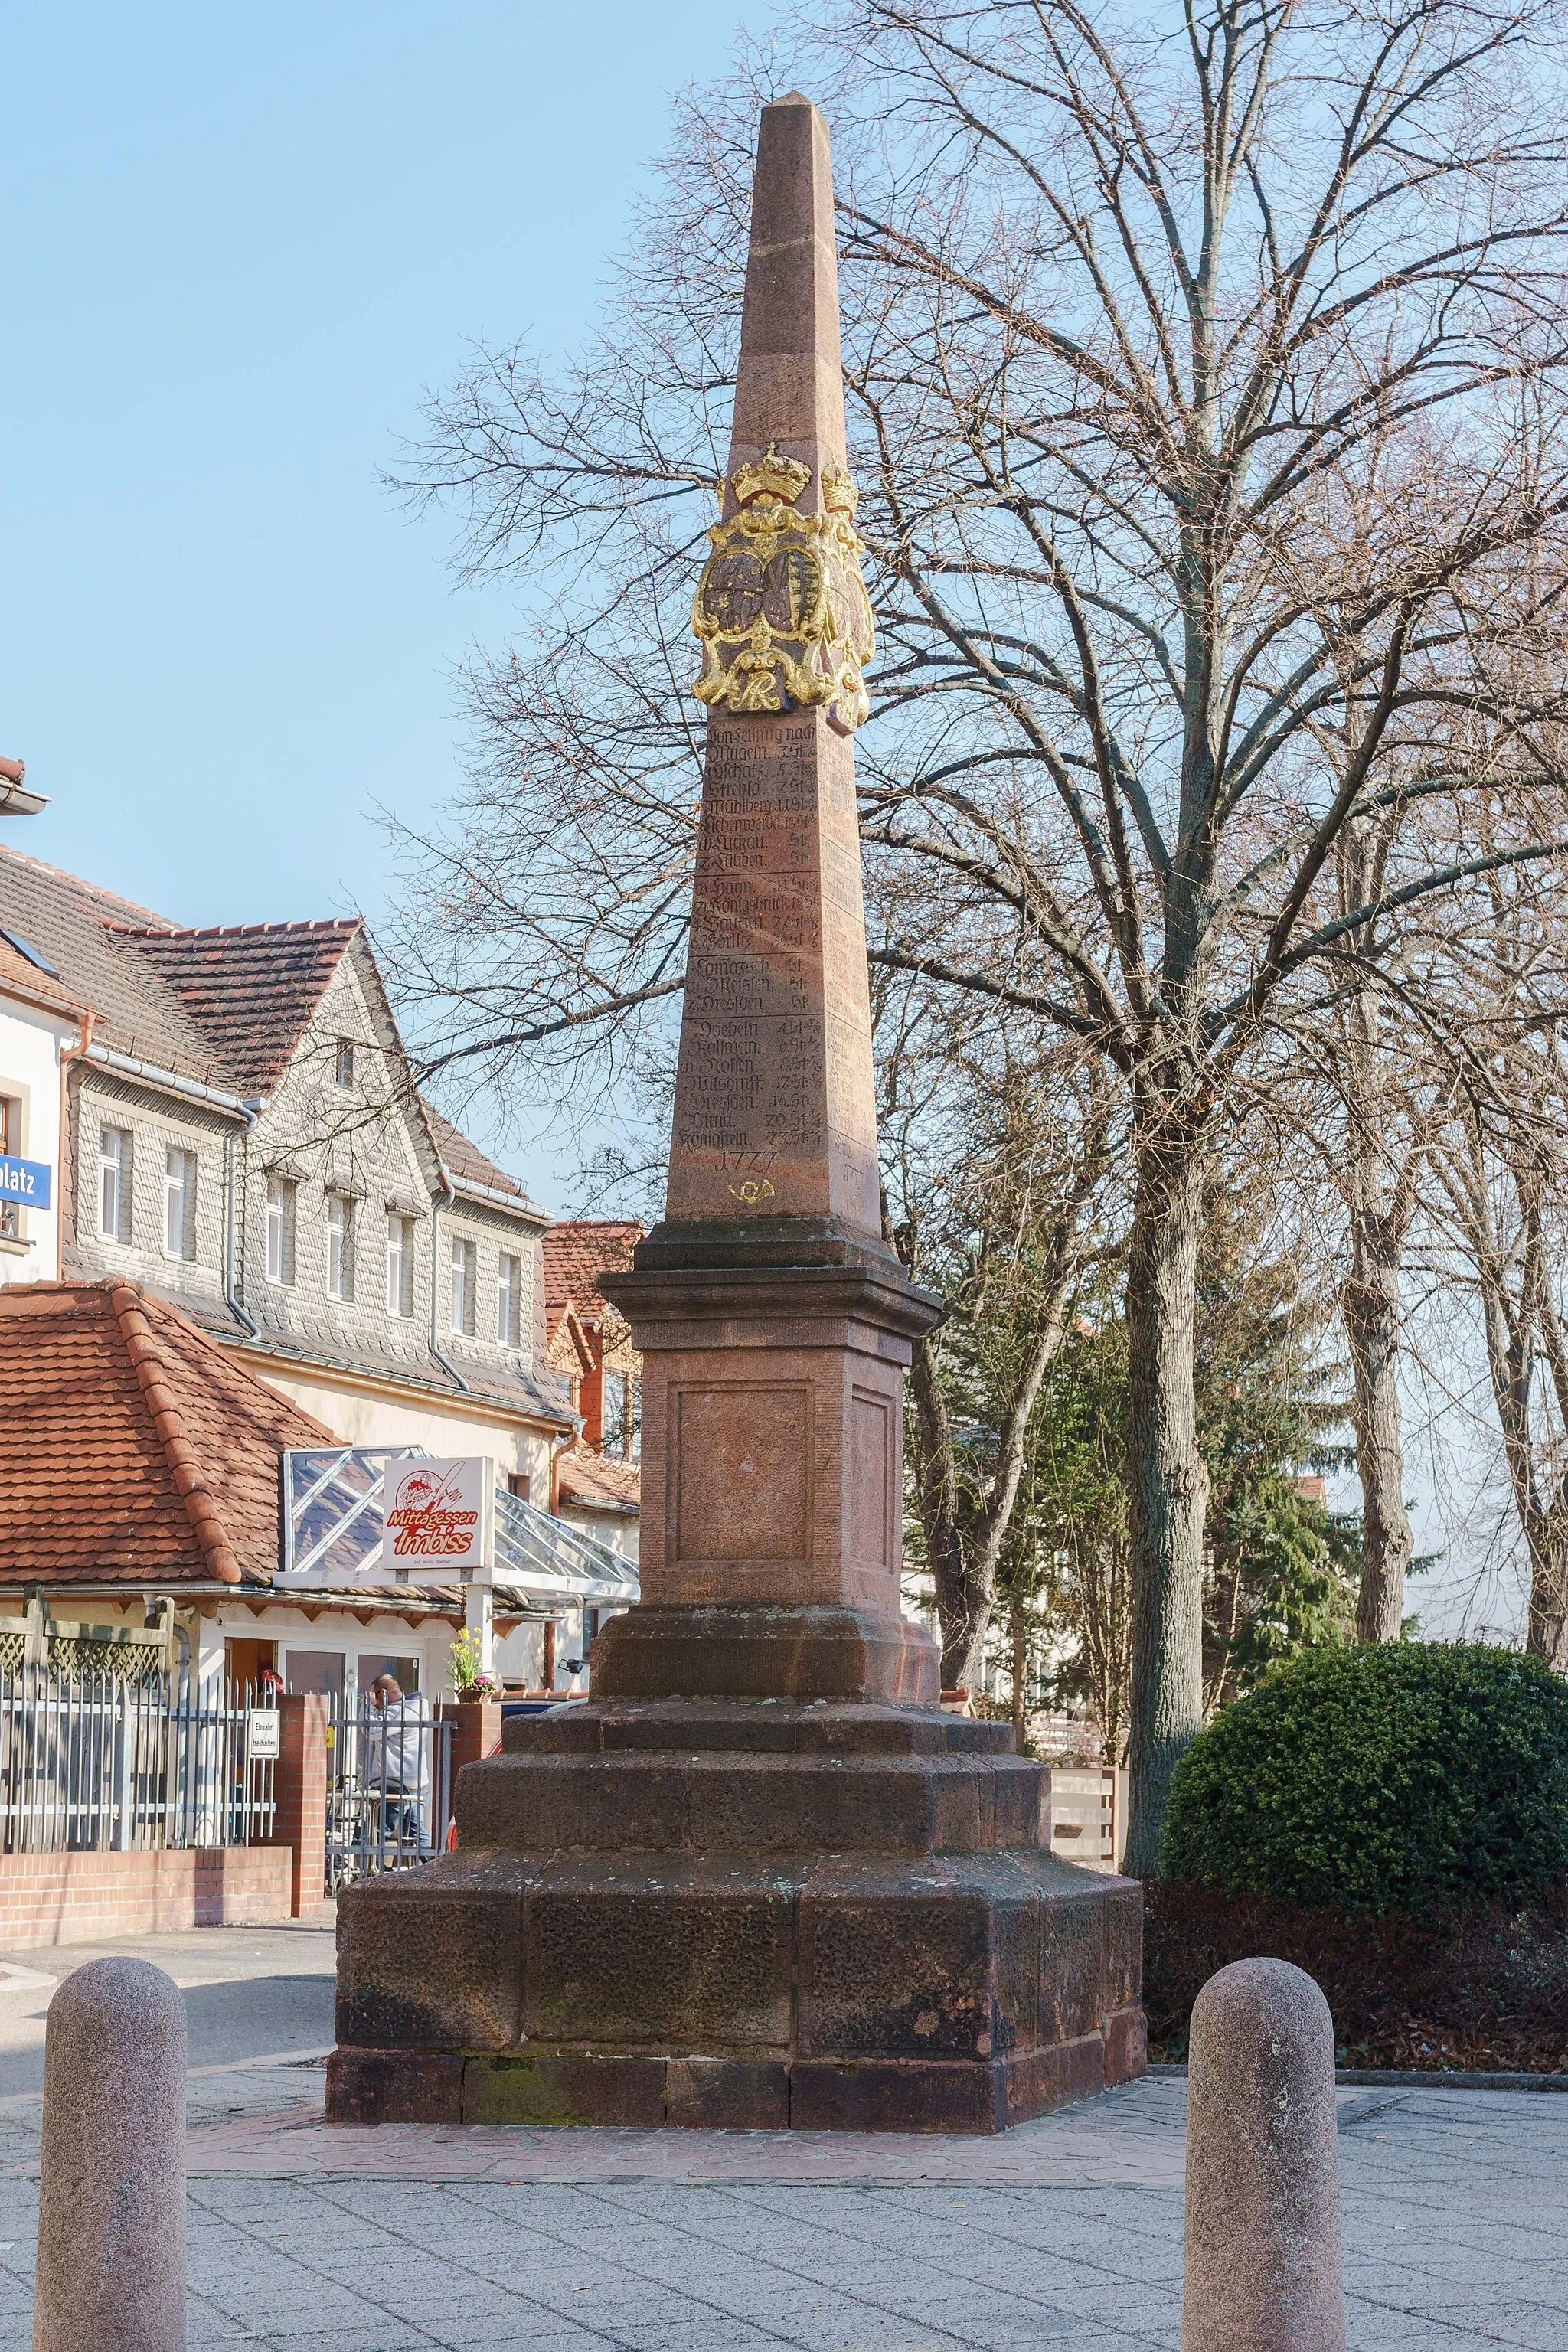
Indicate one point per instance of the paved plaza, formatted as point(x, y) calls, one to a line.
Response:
point(1065, 2233)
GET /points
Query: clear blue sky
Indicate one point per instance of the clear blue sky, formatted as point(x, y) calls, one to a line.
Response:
point(237, 246)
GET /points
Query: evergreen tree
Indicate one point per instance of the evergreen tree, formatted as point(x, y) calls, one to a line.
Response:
point(1282, 1569)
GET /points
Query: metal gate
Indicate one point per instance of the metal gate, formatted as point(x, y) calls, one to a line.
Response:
point(94, 1763)
point(389, 1786)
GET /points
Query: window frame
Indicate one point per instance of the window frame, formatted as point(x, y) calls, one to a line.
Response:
point(400, 1251)
point(11, 1144)
point(343, 1064)
point(281, 1196)
point(340, 1246)
point(508, 1298)
point(184, 1250)
point(462, 1266)
point(120, 1167)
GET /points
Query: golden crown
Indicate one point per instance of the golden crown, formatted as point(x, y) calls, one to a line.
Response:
point(839, 495)
point(772, 477)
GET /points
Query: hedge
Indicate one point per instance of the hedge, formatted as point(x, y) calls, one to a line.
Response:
point(1381, 1778)
point(1456, 1984)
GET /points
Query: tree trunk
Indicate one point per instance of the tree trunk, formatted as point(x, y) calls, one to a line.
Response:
point(1380, 1213)
point(1019, 1627)
point(965, 1573)
point(1548, 1632)
point(962, 1601)
point(1167, 1484)
point(1369, 1301)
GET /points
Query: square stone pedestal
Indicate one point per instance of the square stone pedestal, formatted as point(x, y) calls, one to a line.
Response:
point(751, 1914)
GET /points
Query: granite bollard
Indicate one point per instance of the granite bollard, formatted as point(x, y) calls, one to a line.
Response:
point(1263, 2269)
point(112, 2206)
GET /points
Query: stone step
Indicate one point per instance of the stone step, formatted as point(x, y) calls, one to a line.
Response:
point(781, 1727)
point(718, 1801)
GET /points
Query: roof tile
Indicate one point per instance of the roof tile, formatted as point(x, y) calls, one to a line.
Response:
point(586, 1479)
point(131, 1445)
point(576, 1254)
point(250, 990)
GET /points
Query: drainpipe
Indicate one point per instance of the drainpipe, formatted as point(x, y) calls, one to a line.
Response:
point(250, 1112)
point(560, 1445)
point(77, 1053)
point(443, 1200)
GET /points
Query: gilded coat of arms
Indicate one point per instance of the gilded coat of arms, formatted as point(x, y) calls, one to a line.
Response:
point(781, 610)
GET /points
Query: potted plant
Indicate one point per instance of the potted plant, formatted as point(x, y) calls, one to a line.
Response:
point(470, 1681)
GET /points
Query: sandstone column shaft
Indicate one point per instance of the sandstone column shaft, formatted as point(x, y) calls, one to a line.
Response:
point(774, 1323)
point(1263, 2269)
point(775, 1109)
point(112, 2206)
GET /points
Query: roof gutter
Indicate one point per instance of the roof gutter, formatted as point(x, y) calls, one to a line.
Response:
point(518, 1201)
point(16, 800)
point(171, 1082)
point(182, 1591)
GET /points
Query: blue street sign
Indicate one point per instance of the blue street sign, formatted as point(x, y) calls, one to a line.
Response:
point(26, 1181)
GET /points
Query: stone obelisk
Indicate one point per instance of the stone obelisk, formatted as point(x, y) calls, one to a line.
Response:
point(760, 1878)
point(775, 1325)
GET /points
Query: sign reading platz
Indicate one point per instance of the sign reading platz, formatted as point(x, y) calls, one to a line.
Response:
point(26, 1181)
point(437, 1523)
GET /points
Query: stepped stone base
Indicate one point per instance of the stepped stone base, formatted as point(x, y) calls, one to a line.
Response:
point(745, 1913)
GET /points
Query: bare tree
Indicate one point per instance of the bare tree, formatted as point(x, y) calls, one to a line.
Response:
point(1379, 1175)
point(1503, 1169)
point(997, 1159)
point(1371, 1095)
point(1132, 308)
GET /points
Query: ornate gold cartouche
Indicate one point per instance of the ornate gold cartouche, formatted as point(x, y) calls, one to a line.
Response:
point(781, 611)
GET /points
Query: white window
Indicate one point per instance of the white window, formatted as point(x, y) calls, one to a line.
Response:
point(399, 1266)
point(179, 1202)
point(10, 1142)
point(279, 1230)
point(509, 1299)
point(340, 1246)
point(463, 1285)
point(114, 1183)
point(344, 1071)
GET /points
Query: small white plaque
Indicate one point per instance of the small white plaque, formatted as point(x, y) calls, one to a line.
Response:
point(263, 1734)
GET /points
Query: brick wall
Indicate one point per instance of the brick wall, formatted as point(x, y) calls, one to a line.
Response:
point(80, 1898)
point(300, 1790)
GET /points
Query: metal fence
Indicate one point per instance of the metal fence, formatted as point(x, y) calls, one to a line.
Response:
point(98, 1763)
point(389, 1796)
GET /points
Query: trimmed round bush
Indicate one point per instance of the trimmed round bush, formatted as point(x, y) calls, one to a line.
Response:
point(1379, 1778)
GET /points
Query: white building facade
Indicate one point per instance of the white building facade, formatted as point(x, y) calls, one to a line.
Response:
point(229, 1120)
point(40, 1029)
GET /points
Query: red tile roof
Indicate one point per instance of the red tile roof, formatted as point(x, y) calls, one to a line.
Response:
point(88, 935)
point(576, 1255)
point(228, 1007)
point(131, 1447)
point(465, 1158)
point(19, 976)
point(591, 1479)
point(250, 990)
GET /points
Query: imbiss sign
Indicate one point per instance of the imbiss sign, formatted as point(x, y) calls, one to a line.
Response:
point(437, 1529)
